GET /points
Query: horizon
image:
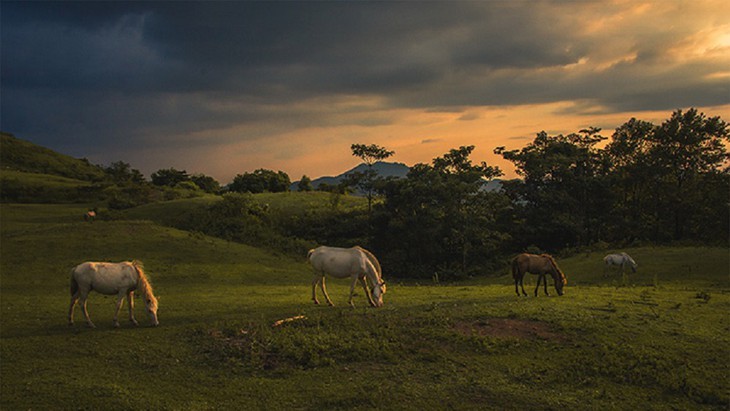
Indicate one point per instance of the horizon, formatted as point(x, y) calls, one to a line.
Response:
point(227, 88)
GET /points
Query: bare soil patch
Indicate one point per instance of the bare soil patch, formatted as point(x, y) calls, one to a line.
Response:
point(510, 328)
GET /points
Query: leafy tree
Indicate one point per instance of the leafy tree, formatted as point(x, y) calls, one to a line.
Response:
point(439, 219)
point(206, 183)
point(261, 181)
point(305, 184)
point(123, 173)
point(684, 148)
point(667, 178)
point(169, 177)
point(366, 181)
point(563, 195)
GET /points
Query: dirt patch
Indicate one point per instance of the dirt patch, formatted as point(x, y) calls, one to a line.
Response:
point(510, 328)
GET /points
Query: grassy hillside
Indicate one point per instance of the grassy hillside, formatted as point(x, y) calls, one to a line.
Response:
point(603, 345)
point(21, 155)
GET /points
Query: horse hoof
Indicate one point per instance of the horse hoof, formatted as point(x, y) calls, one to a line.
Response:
point(134, 323)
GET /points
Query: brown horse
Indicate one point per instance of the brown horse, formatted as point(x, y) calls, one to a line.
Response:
point(540, 265)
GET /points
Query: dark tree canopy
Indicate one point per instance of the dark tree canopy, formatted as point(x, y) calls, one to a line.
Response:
point(261, 181)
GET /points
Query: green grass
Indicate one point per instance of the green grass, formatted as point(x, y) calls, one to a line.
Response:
point(658, 340)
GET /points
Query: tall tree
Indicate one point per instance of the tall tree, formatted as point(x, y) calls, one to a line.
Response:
point(562, 195)
point(685, 148)
point(439, 219)
point(169, 177)
point(260, 181)
point(305, 184)
point(366, 181)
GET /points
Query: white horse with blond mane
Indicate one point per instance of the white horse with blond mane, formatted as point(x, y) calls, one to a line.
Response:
point(356, 263)
point(622, 260)
point(120, 279)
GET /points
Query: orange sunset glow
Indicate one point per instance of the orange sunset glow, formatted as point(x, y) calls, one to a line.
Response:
point(227, 88)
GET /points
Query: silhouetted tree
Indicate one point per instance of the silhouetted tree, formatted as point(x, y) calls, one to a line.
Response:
point(305, 184)
point(260, 181)
point(439, 219)
point(206, 183)
point(169, 177)
point(366, 181)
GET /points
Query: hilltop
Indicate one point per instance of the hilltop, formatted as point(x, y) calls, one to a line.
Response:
point(24, 156)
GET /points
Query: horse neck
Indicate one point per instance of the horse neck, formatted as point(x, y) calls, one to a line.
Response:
point(556, 272)
point(372, 272)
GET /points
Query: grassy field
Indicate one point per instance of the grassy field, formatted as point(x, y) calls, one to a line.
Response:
point(657, 340)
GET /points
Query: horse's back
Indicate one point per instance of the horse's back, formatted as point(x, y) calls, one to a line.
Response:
point(338, 262)
point(106, 278)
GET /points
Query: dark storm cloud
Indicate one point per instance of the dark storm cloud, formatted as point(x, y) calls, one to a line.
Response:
point(140, 72)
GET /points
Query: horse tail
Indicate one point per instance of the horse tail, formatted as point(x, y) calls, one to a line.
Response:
point(309, 254)
point(515, 269)
point(74, 288)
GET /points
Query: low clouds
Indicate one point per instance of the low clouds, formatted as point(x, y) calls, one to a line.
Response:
point(155, 73)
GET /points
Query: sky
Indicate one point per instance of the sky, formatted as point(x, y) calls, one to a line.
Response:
point(224, 88)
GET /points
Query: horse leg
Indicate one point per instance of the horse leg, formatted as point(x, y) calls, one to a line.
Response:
point(130, 305)
point(537, 287)
point(324, 291)
point(82, 302)
point(545, 281)
point(522, 285)
point(352, 290)
point(315, 281)
point(120, 302)
point(74, 298)
point(367, 292)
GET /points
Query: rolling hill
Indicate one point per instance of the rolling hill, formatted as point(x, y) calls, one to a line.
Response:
point(24, 156)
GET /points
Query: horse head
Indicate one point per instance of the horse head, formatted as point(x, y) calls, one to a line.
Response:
point(378, 291)
point(151, 307)
point(559, 283)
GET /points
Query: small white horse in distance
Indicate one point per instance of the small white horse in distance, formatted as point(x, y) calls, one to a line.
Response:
point(622, 260)
point(120, 279)
point(356, 263)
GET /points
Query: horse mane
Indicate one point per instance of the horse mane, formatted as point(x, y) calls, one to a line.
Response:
point(144, 283)
point(373, 260)
point(555, 266)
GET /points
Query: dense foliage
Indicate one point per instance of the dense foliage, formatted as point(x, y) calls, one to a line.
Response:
point(649, 183)
point(260, 181)
point(645, 184)
point(653, 184)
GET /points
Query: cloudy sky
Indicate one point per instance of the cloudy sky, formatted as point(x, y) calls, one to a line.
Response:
point(228, 87)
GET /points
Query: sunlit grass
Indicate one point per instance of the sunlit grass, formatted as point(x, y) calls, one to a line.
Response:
point(614, 345)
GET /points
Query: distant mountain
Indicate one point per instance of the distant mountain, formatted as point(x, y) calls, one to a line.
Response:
point(21, 155)
point(384, 169)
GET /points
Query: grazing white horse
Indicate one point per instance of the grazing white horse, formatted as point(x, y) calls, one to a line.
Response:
point(356, 263)
point(622, 260)
point(120, 279)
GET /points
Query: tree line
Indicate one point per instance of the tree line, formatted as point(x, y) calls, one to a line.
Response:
point(646, 184)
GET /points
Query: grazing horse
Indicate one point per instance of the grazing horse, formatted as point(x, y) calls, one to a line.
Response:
point(120, 279)
point(90, 215)
point(540, 265)
point(622, 260)
point(356, 263)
